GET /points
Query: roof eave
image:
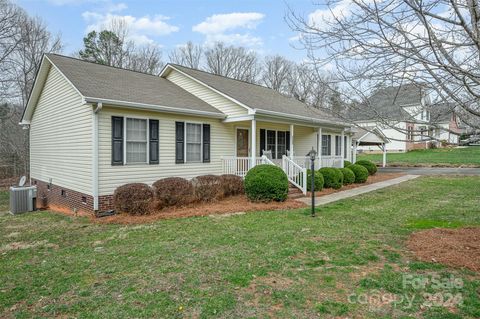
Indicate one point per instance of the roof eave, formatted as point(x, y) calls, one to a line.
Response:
point(153, 107)
point(301, 118)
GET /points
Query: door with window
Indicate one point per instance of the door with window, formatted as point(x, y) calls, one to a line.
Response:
point(242, 142)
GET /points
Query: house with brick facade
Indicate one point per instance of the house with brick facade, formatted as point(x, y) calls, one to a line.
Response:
point(94, 128)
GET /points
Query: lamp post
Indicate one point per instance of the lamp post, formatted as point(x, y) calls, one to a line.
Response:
point(312, 154)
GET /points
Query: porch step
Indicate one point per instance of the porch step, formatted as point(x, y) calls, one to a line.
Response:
point(294, 192)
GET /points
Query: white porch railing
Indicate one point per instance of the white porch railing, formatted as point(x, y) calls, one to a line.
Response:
point(326, 161)
point(241, 165)
point(296, 174)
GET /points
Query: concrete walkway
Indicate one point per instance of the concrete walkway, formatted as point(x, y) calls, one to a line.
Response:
point(322, 200)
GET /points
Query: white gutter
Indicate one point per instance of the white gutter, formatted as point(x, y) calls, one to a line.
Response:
point(152, 107)
point(299, 117)
point(95, 156)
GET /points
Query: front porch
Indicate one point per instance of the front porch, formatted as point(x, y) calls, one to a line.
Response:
point(286, 145)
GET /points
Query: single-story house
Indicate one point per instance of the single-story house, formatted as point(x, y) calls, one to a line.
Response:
point(94, 128)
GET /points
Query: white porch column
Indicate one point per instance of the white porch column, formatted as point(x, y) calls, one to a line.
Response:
point(319, 147)
point(291, 141)
point(254, 142)
point(342, 151)
point(384, 162)
point(354, 155)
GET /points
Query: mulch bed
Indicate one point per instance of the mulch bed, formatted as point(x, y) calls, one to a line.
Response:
point(379, 177)
point(458, 247)
point(229, 205)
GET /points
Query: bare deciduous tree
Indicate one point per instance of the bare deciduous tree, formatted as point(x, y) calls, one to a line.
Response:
point(234, 62)
point(23, 40)
point(276, 71)
point(189, 55)
point(433, 44)
point(10, 36)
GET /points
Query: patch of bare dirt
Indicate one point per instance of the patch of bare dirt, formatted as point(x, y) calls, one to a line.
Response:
point(379, 177)
point(262, 287)
point(230, 205)
point(453, 247)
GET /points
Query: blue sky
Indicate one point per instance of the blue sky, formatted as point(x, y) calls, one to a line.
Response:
point(257, 24)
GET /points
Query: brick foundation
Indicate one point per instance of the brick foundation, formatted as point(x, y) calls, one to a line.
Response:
point(64, 199)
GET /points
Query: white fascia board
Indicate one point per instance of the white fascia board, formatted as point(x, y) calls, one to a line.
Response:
point(302, 118)
point(165, 71)
point(152, 107)
point(239, 118)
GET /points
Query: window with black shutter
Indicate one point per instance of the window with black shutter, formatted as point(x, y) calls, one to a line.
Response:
point(206, 143)
point(179, 142)
point(117, 140)
point(153, 142)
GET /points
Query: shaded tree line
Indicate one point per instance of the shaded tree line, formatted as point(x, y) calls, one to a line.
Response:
point(23, 40)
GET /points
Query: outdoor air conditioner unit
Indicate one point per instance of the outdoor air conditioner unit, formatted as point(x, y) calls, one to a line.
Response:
point(22, 199)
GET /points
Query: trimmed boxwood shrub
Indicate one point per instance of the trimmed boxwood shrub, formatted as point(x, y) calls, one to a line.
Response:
point(207, 188)
point(232, 185)
point(369, 165)
point(173, 191)
point(133, 199)
point(361, 173)
point(318, 181)
point(333, 177)
point(346, 163)
point(348, 176)
point(266, 183)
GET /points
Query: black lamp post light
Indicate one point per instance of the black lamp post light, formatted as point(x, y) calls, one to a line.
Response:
point(312, 154)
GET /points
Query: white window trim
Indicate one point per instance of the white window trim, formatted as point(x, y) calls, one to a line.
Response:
point(125, 139)
point(276, 140)
point(185, 144)
point(327, 145)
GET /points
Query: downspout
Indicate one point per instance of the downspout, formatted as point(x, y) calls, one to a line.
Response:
point(95, 156)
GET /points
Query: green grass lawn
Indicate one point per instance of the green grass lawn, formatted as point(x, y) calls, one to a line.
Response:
point(281, 264)
point(446, 156)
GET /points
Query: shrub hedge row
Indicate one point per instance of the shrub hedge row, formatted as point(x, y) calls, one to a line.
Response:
point(141, 199)
point(262, 183)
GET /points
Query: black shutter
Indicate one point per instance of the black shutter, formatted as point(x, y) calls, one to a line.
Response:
point(262, 141)
point(153, 142)
point(179, 142)
point(287, 141)
point(206, 143)
point(117, 140)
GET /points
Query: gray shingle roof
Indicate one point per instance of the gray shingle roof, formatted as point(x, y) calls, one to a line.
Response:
point(441, 113)
point(105, 82)
point(256, 96)
point(387, 103)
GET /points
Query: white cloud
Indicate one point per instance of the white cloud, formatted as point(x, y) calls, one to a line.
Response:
point(141, 29)
point(219, 23)
point(228, 28)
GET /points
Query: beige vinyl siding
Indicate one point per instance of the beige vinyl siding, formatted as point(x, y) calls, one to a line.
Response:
point(222, 143)
point(61, 135)
point(211, 97)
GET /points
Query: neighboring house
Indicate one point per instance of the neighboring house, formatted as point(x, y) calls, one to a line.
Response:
point(94, 128)
point(400, 113)
point(447, 125)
